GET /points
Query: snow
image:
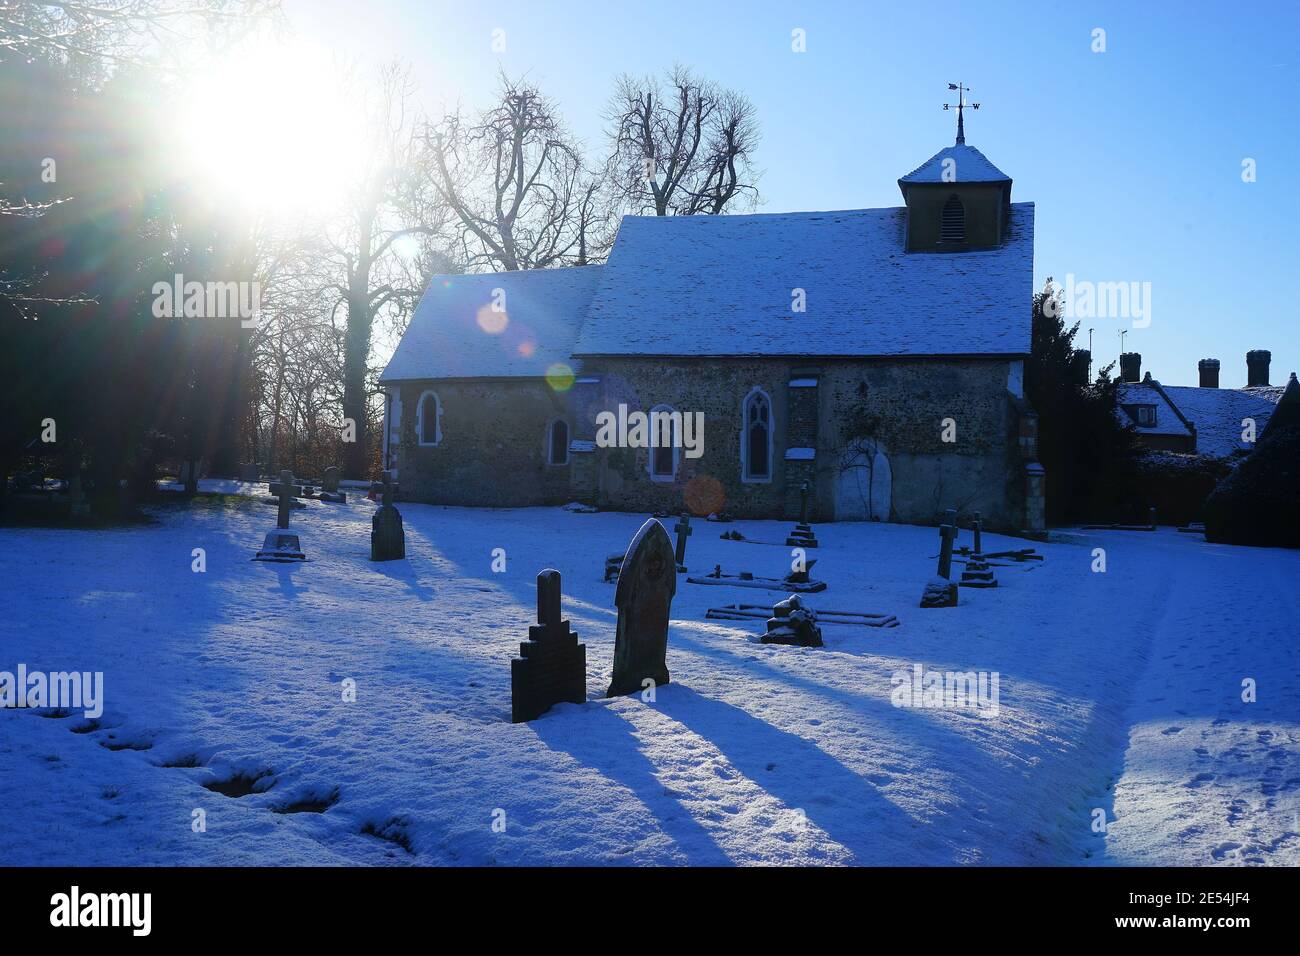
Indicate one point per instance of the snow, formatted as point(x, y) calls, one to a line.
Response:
point(456, 332)
point(724, 285)
point(968, 165)
point(1146, 393)
point(1118, 691)
point(1217, 414)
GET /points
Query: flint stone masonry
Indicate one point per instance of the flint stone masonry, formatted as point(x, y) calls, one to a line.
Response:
point(494, 435)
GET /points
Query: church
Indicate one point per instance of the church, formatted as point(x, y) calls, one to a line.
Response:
point(870, 358)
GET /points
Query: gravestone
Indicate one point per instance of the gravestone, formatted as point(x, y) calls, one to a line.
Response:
point(978, 573)
point(284, 491)
point(281, 545)
point(330, 479)
point(683, 529)
point(552, 666)
point(940, 591)
point(248, 471)
point(644, 597)
point(387, 538)
point(793, 622)
point(802, 536)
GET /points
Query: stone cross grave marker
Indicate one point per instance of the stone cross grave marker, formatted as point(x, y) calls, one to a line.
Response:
point(683, 529)
point(977, 526)
point(387, 537)
point(552, 665)
point(803, 502)
point(280, 545)
point(285, 494)
point(644, 597)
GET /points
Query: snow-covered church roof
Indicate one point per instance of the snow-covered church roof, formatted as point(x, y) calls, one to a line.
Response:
point(494, 324)
point(814, 284)
point(968, 165)
point(729, 285)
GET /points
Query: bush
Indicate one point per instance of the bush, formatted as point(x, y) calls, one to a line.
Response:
point(1259, 502)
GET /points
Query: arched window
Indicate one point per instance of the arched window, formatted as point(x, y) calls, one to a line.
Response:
point(557, 443)
point(428, 419)
point(952, 227)
point(756, 438)
point(665, 440)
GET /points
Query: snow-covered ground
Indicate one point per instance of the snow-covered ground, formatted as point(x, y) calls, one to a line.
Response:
point(1120, 692)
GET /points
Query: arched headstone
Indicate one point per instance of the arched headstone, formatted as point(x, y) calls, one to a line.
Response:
point(644, 597)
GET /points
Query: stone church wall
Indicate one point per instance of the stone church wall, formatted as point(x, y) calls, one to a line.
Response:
point(493, 450)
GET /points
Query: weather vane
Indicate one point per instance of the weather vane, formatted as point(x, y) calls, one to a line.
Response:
point(961, 104)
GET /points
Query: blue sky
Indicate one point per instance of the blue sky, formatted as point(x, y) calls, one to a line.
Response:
point(1133, 156)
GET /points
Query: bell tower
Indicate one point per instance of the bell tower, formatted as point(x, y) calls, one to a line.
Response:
point(957, 201)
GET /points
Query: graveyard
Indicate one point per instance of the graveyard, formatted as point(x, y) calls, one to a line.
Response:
point(434, 685)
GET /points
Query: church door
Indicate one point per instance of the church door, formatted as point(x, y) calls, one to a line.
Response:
point(864, 485)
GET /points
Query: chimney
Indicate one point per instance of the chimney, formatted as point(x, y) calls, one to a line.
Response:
point(1257, 367)
point(1130, 367)
point(1209, 369)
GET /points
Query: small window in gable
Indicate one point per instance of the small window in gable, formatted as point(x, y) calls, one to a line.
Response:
point(557, 448)
point(952, 226)
point(428, 419)
point(1146, 416)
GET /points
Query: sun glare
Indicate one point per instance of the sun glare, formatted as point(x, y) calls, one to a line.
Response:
point(275, 128)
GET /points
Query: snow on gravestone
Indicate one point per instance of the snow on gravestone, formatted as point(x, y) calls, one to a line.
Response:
point(644, 596)
point(552, 665)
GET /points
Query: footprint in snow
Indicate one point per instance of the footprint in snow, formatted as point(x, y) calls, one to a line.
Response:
point(1171, 730)
point(1200, 780)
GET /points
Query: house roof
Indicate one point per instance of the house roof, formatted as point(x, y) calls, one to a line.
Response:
point(969, 165)
point(1217, 414)
point(1214, 413)
point(1168, 419)
point(455, 333)
point(724, 286)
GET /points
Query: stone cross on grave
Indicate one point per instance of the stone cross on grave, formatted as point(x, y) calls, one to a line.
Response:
point(977, 526)
point(803, 503)
point(947, 535)
point(387, 500)
point(286, 498)
point(683, 529)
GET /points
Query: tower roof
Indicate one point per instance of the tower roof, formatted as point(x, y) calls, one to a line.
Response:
point(969, 165)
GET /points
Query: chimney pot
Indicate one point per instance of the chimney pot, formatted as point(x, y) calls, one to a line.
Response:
point(1209, 369)
point(1130, 367)
point(1257, 361)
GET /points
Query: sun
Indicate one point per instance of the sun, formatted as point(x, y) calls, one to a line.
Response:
point(274, 128)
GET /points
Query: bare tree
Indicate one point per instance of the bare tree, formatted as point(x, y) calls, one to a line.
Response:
point(683, 150)
point(115, 29)
point(362, 269)
point(517, 184)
